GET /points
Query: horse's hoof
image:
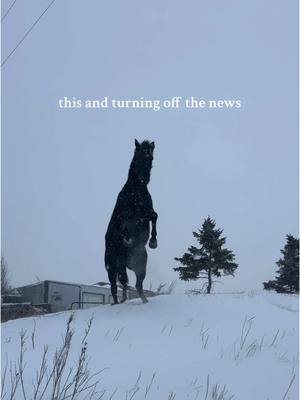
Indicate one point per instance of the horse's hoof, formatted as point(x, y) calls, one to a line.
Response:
point(116, 301)
point(152, 243)
point(144, 300)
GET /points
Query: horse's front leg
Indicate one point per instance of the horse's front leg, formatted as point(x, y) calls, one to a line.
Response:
point(153, 240)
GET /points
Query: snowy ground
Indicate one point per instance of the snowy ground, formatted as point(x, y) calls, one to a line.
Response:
point(175, 347)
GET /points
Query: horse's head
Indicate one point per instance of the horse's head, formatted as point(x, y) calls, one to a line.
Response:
point(144, 149)
point(141, 164)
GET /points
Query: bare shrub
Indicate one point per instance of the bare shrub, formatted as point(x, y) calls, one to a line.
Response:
point(53, 382)
point(164, 289)
point(216, 392)
point(5, 285)
point(201, 290)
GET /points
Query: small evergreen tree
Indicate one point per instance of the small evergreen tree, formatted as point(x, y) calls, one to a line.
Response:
point(287, 280)
point(210, 259)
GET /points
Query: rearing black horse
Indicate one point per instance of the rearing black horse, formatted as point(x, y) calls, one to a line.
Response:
point(129, 227)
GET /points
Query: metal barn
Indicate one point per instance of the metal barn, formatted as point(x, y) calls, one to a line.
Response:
point(58, 296)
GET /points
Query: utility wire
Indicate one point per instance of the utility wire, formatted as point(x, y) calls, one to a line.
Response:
point(8, 10)
point(27, 33)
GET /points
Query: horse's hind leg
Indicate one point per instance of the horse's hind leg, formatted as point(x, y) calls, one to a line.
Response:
point(123, 279)
point(139, 286)
point(140, 272)
point(112, 276)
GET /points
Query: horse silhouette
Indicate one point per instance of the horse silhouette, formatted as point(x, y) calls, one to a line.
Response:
point(129, 228)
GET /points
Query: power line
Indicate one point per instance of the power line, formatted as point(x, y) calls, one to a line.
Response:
point(27, 33)
point(8, 10)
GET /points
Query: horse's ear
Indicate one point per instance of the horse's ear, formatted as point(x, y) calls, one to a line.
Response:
point(152, 144)
point(137, 145)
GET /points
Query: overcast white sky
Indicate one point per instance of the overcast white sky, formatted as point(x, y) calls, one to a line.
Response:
point(62, 169)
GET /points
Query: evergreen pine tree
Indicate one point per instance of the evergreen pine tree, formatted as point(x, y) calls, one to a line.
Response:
point(287, 280)
point(210, 259)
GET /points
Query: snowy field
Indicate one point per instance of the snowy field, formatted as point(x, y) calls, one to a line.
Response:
point(176, 347)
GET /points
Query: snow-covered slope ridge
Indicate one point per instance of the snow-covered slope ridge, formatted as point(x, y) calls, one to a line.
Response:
point(175, 347)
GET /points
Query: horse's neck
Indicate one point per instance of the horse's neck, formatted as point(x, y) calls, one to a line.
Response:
point(135, 185)
point(139, 171)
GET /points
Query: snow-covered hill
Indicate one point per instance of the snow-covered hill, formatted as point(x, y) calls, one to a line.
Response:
point(175, 347)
